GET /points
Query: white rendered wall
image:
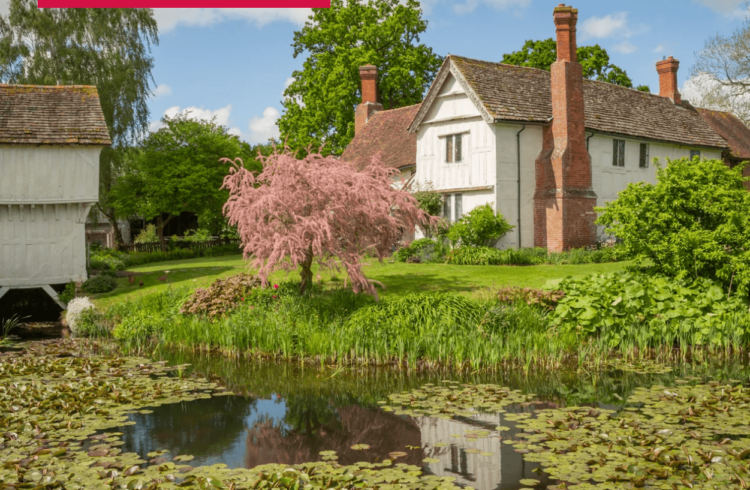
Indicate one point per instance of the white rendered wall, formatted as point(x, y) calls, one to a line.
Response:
point(46, 193)
point(42, 246)
point(609, 180)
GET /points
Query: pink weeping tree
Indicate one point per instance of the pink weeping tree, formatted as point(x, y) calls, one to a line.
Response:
point(318, 208)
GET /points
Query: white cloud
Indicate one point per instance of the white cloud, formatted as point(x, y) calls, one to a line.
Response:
point(220, 116)
point(726, 7)
point(162, 90)
point(613, 25)
point(287, 82)
point(263, 128)
point(470, 5)
point(168, 19)
point(625, 47)
point(660, 48)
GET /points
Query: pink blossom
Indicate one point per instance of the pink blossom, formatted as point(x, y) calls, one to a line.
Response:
point(322, 208)
point(274, 296)
point(276, 286)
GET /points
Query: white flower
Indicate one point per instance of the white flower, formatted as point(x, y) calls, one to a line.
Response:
point(75, 308)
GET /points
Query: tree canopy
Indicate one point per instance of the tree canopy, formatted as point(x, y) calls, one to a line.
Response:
point(319, 104)
point(178, 169)
point(594, 59)
point(109, 48)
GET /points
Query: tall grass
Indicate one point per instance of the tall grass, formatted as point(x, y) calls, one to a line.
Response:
point(415, 331)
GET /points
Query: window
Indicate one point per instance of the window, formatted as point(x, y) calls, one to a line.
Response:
point(618, 153)
point(447, 214)
point(644, 155)
point(695, 153)
point(459, 204)
point(453, 148)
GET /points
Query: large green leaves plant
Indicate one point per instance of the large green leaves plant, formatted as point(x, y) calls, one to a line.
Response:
point(695, 222)
point(610, 304)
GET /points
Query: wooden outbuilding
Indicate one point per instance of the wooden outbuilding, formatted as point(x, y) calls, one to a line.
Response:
point(50, 140)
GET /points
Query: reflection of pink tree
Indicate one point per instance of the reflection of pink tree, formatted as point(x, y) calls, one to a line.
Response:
point(318, 207)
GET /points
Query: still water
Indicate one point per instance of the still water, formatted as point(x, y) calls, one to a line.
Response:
point(285, 413)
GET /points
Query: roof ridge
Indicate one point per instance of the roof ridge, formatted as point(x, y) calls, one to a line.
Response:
point(500, 63)
point(21, 85)
point(399, 108)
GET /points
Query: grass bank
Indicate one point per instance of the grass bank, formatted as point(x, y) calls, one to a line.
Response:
point(399, 278)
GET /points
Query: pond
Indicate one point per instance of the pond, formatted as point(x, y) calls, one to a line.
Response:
point(287, 413)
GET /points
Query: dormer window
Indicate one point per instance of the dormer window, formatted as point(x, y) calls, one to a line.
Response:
point(453, 148)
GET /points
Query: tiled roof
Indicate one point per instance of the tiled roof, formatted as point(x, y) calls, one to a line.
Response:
point(385, 133)
point(55, 114)
point(516, 93)
point(731, 129)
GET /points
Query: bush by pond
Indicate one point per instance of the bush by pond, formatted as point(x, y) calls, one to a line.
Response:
point(655, 308)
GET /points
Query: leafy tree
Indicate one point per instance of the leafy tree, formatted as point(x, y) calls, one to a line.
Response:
point(480, 227)
point(594, 59)
point(319, 104)
point(694, 222)
point(297, 210)
point(109, 48)
point(177, 169)
point(721, 74)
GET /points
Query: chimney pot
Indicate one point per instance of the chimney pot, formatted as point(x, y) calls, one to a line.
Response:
point(565, 24)
point(667, 69)
point(369, 106)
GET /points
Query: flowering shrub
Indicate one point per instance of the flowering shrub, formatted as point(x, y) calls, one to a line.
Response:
point(75, 308)
point(221, 296)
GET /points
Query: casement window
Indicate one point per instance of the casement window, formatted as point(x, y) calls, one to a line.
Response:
point(453, 207)
point(644, 156)
point(453, 148)
point(618, 153)
point(695, 153)
point(447, 210)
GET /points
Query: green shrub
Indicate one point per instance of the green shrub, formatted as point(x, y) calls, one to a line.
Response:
point(147, 235)
point(694, 312)
point(221, 250)
point(545, 299)
point(474, 256)
point(480, 227)
point(92, 323)
point(99, 284)
point(423, 250)
point(695, 222)
point(68, 293)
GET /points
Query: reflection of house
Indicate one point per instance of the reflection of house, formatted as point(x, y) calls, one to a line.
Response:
point(50, 140)
point(274, 441)
point(482, 472)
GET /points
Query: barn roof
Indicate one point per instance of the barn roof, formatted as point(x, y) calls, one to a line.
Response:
point(385, 134)
point(515, 93)
point(51, 115)
point(731, 129)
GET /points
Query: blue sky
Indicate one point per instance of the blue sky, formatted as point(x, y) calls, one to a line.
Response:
point(234, 63)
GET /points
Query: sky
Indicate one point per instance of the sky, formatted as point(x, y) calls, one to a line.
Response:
point(235, 63)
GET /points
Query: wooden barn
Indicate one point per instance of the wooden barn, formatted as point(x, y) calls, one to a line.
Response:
point(50, 140)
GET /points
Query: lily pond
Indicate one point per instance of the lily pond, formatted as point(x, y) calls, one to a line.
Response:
point(73, 415)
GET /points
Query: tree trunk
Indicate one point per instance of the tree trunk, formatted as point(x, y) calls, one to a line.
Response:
point(306, 272)
point(160, 223)
point(109, 213)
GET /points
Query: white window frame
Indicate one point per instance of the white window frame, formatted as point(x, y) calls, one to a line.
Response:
point(618, 153)
point(643, 162)
point(451, 139)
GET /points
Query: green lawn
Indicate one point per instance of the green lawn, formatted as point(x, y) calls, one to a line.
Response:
point(398, 278)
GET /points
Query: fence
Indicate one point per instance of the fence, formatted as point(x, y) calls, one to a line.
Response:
point(197, 246)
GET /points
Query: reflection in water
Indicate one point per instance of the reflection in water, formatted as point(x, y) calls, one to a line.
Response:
point(288, 414)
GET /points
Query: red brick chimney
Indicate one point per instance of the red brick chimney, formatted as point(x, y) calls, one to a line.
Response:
point(369, 105)
point(668, 79)
point(564, 199)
